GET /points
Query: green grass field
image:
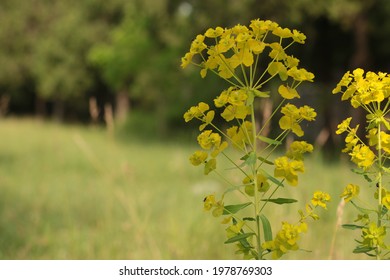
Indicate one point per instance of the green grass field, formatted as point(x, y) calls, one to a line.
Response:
point(73, 192)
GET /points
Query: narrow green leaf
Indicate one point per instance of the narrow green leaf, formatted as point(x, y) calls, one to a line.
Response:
point(352, 226)
point(272, 179)
point(268, 140)
point(239, 237)
point(249, 159)
point(265, 160)
point(266, 227)
point(232, 209)
point(281, 200)
point(363, 249)
point(362, 210)
point(259, 93)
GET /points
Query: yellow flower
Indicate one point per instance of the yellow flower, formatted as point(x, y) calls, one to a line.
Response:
point(285, 168)
point(320, 199)
point(222, 99)
point(196, 111)
point(343, 126)
point(207, 139)
point(373, 236)
point(262, 184)
point(286, 239)
point(235, 112)
point(297, 149)
point(386, 200)
point(198, 157)
point(344, 82)
point(209, 202)
point(351, 191)
point(362, 156)
point(239, 135)
point(214, 33)
point(198, 45)
point(287, 92)
point(186, 59)
point(307, 113)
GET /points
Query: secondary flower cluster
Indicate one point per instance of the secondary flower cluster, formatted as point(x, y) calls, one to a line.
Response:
point(369, 91)
point(287, 238)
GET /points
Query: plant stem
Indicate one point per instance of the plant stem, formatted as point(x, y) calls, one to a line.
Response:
point(256, 193)
point(379, 214)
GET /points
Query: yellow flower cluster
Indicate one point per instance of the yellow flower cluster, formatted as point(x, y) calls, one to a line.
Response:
point(227, 51)
point(287, 166)
point(286, 239)
point(370, 91)
point(364, 90)
point(351, 191)
point(373, 236)
point(293, 116)
point(210, 202)
point(262, 184)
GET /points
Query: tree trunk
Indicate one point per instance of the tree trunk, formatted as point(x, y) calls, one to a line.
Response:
point(122, 105)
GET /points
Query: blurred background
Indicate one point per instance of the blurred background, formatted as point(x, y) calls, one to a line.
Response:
point(94, 150)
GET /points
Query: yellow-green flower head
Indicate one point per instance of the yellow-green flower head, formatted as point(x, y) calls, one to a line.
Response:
point(297, 149)
point(196, 111)
point(350, 192)
point(386, 200)
point(207, 139)
point(214, 33)
point(343, 126)
point(262, 184)
point(222, 99)
point(235, 229)
point(238, 135)
point(373, 236)
point(198, 45)
point(307, 113)
point(285, 168)
point(198, 157)
point(362, 156)
point(209, 202)
point(290, 120)
point(320, 199)
point(286, 239)
point(287, 92)
point(300, 75)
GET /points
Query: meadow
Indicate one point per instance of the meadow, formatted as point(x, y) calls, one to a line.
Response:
point(75, 192)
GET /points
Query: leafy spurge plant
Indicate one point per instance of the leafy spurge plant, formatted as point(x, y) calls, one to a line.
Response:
point(371, 92)
point(249, 59)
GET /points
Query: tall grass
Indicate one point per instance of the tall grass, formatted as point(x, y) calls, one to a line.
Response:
point(73, 192)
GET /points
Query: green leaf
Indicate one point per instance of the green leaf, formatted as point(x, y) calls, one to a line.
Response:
point(352, 226)
point(363, 249)
point(265, 160)
point(239, 237)
point(232, 209)
point(281, 200)
point(259, 93)
point(249, 159)
point(272, 179)
point(249, 219)
point(269, 140)
point(362, 210)
point(266, 227)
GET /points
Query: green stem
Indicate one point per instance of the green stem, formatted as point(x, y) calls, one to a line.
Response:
point(379, 214)
point(256, 195)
